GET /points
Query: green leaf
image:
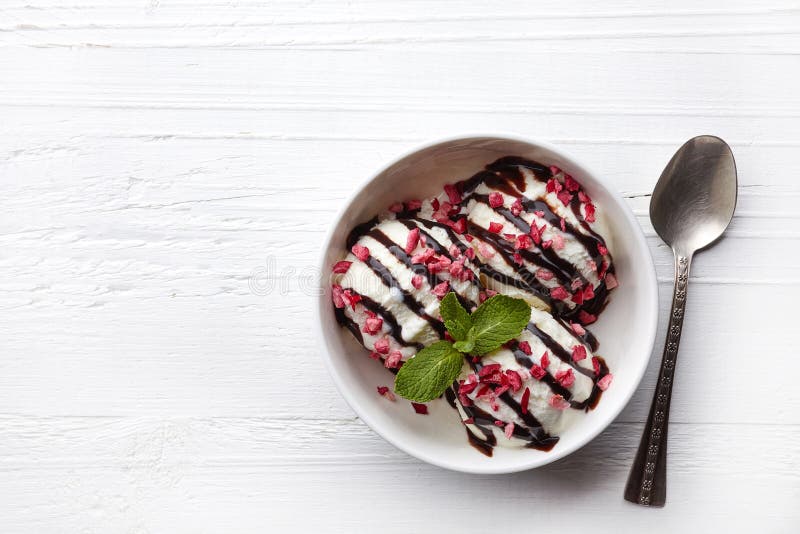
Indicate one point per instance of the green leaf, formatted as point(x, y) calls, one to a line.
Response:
point(464, 346)
point(497, 320)
point(456, 318)
point(428, 374)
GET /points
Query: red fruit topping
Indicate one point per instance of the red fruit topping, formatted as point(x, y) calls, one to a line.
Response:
point(351, 298)
point(602, 249)
point(499, 423)
point(454, 251)
point(440, 290)
point(583, 197)
point(457, 267)
point(537, 372)
point(577, 297)
point(468, 387)
point(370, 313)
point(374, 355)
point(509, 430)
point(491, 292)
point(578, 329)
point(558, 241)
point(417, 281)
point(603, 268)
point(544, 361)
point(559, 293)
point(469, 421)
point(589, 209)
point(536, 233)
point(466, 401)
point(565, 197)
point(393, 360)
point(544, 274)
point(525, 347)
point(495, 227)
point(576, 284)
point(547, 244)
point(592, 265)
point(413, 205)
point(381, 346)
point(596, 365)
point(469, 238)
point(482, 297)
point(423, 256)
point(361, 252)
point(539, 213)
point(382, 390)
point(604, 382)
point(452, 193)
point(563, 225)
point(526, 396)
point(565, 378)
point(558, 402)
point(611, 281)
point(496, 199)
point(586, 318)
point(554, 170)
point(488, 370)
point(373, 325)
point(510, 237)
point(516, 207)
point(397, 207)
point(523, 242)
point(435, 204)
point(518, 258)
point(341, 267)
point(588, 292)
point(469, 253)
point(514, 380)
point(421, 409)
point(502, 389)
point(336, 295)
point(412, 240)
point(460, 226)
point(571, 184)
point(385, 392)
point(553, 186)
point(578, 353)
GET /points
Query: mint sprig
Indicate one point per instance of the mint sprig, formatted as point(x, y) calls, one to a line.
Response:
point(428, 374)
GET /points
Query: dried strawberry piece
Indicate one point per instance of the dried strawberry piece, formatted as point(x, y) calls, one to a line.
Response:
point(583, 197)
point(361, 252)
point(336, 295)
point(518, 258)
point(369, 313)
point(554, 170)
point(602, 249)
point(482, 297)
point(525, 347)
point(499, 423)
point(558, 241)
point(468, 387)
point(536, 233)
point(413, 205)
point(553, 186)
point(516, 207)
point(421, 409)
point(384, 392)
point(452, 193)
point(510, 237)
point(464, 400)
point(514, 380)
point(544, 274)
point(592, 265)
point(435, 204)
point(440, 290)
point(495, 227)
point(457, 267)
point(489, 369)
point(589, 210)
point(393, 360)
point(502, 389)
point(537, 372)
point(565, 378)
point(381, 346)
point(523, 242)
point(412, 239)
point(544, 361)
point(397, 207)
point(570, 183)
point(374, 355)
point(469, 253)
point(596, 365)
point(577, 297)
point(496, 199)
point(565, 197)
point(469, 421)
point(578, 329)
point(578, 353)
point(341, 267)
point(423, 256)
point(491, 292)
point(604, 382)
point(547, 244)
point(558, 402)
point(466, 275)
point(351, 298)
point(509, 430)
point(417, 281)
point(586, 318)
point(373, 325)
point(469, 238)
point(559, 293)
point(588, 292)
point(563, 225)
point(576, 284)
point(454, 251)
point(539, 213)
point(460, 226)
point(611, 281)
point(526, 396)
point(603, 269)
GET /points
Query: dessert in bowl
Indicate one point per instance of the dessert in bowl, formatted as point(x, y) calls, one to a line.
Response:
point(469, 219)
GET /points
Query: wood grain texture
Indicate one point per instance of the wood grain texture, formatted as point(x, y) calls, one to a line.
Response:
point(158, 157)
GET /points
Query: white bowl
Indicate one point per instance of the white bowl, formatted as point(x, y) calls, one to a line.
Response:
point(626, 329)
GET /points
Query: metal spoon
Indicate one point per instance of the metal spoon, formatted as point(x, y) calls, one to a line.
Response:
point(691, 207)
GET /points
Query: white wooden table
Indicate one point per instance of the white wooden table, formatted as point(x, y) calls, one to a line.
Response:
point(155, 155)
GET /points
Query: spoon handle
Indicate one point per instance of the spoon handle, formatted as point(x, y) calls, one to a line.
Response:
point(647, 482)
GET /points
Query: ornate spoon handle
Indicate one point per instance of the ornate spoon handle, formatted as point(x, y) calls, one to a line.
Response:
point(647, 482)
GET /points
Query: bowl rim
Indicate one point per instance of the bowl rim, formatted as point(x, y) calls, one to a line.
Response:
point(527, 461)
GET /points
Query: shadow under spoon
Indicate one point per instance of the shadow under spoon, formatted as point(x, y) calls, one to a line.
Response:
point(692, 205)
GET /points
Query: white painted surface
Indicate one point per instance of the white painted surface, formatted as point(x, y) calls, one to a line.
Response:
point(153, 156)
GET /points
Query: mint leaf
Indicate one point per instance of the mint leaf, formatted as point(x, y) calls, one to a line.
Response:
point(464, 346)
point(497, 320)
point(428, 374)
point(456, 318)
